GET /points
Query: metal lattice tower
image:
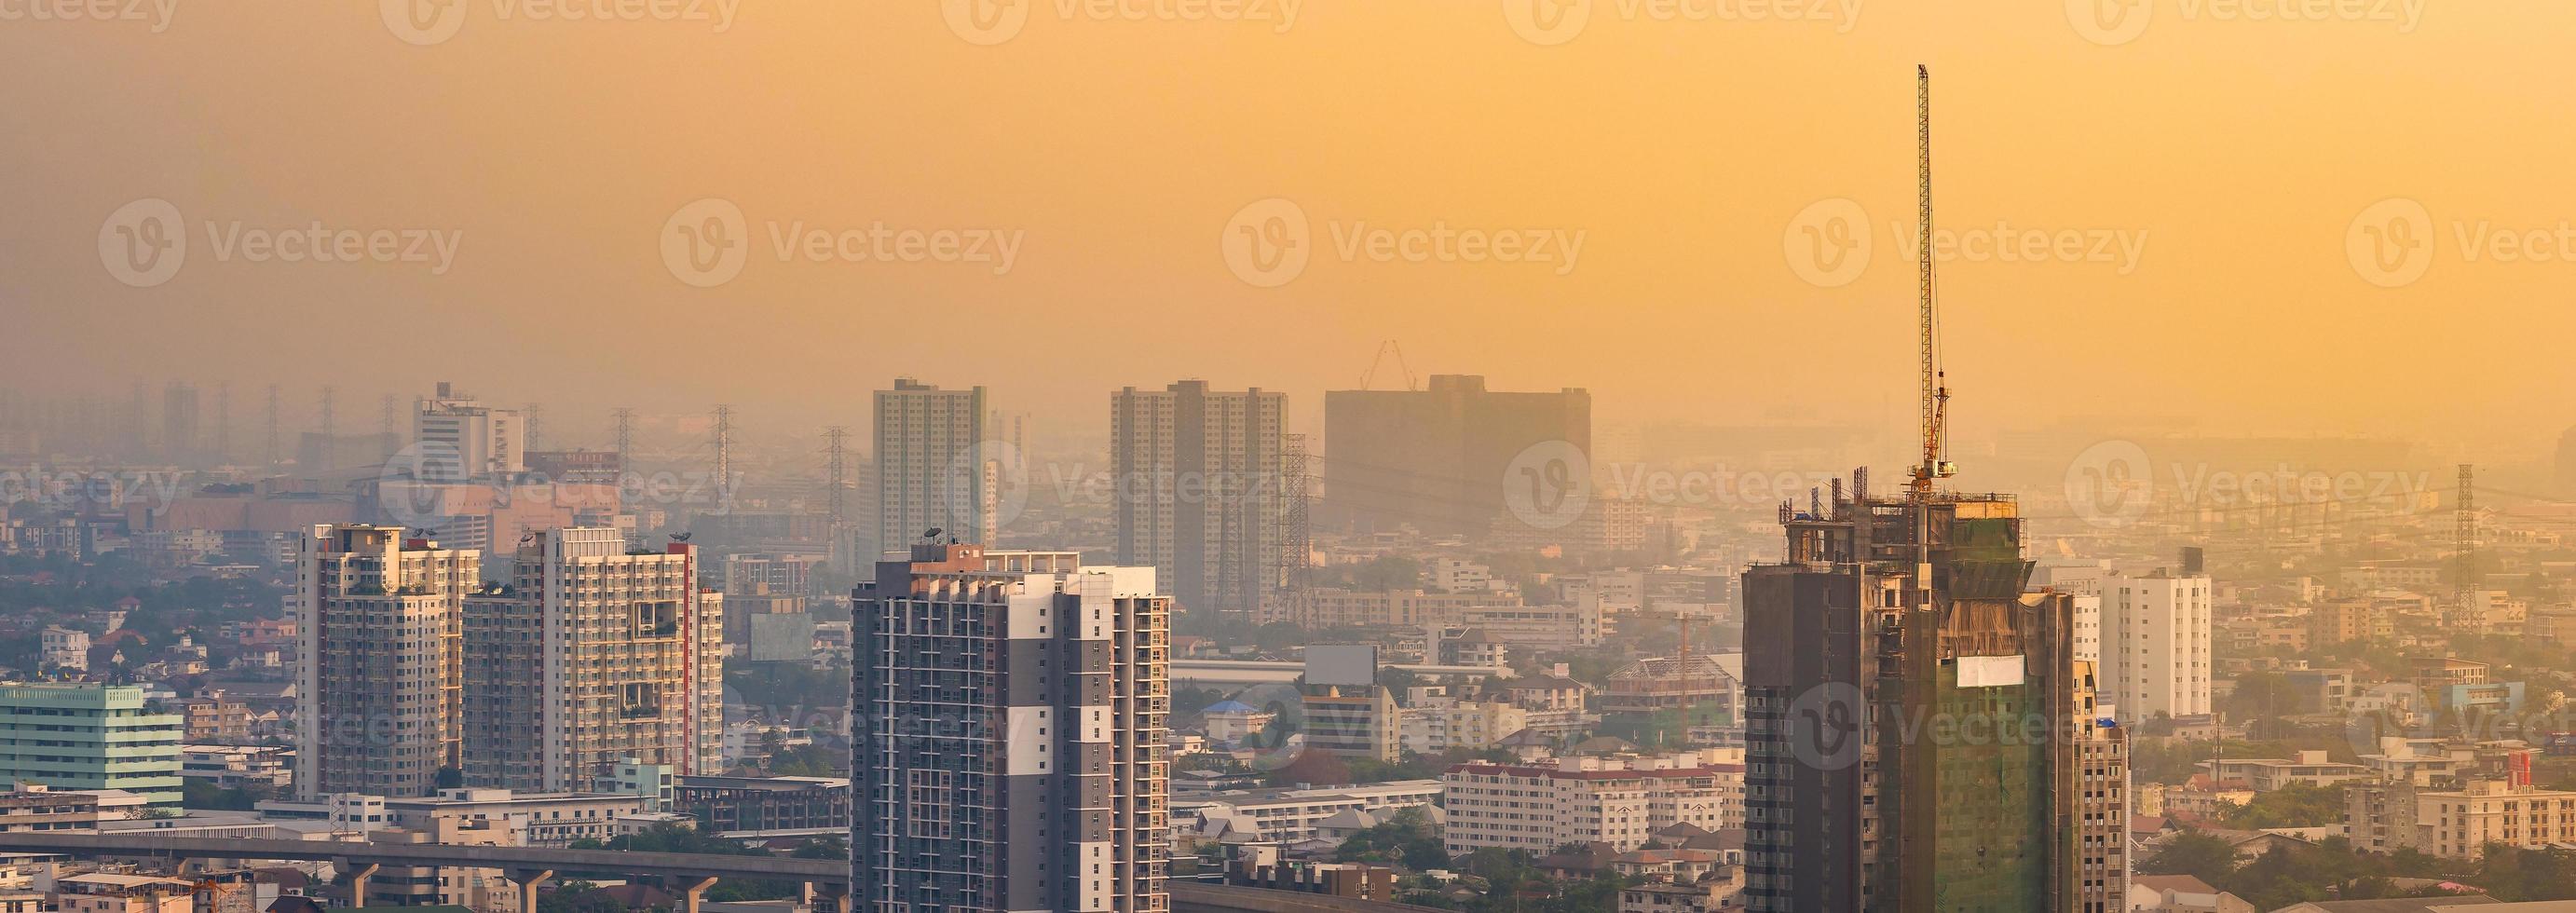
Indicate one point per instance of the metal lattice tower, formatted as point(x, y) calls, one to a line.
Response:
point(838, 469)
point(724, 448)
point(625, 438)
point(329, 422)
point(536, 423)
point(1295, 536)
point(389, 407)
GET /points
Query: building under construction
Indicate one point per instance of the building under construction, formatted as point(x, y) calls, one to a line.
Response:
point(1919, 734)
point(1908, 746)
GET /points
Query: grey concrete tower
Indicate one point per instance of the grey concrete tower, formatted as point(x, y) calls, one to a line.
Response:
point(1007, 721)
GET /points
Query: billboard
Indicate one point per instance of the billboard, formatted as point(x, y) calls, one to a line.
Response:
point(1341, 664)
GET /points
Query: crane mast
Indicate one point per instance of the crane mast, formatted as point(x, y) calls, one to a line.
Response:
point(1936, 392)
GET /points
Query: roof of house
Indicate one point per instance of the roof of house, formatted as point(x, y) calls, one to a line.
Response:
point(2180, 883)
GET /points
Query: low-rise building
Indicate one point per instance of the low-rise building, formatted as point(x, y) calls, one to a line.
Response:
point(1290, 815)
point(2457, 822)
point(545, 819)
point(85, 736)
point(1617, 800)
point(239, 766)
point(759, 805)
point(2267, 774)
point(36, 808)
point(109, 893)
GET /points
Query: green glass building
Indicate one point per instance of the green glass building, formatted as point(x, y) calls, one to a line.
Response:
point(81, 736)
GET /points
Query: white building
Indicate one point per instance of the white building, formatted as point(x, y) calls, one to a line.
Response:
point(461, 439)
point(66, 648)
point(2155, 641)
point(1458, 575)
point(1290, 815)
point(1615, 800)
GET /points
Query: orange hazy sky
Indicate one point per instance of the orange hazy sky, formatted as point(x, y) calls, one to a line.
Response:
point(2205, 182)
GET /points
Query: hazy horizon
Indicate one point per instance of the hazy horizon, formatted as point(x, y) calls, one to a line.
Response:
point(1667, 172)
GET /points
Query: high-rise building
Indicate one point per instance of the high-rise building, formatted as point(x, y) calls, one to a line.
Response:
point(378, 689)
point(2155, 639)
point(180, 414)
point(1007, 717)
point(88, 736)
point(589, 656)
point(1437, 459)
point(1903, 696)
point(933, 466)
point(2102, 862)
point(461, 439)
point(1198, 474)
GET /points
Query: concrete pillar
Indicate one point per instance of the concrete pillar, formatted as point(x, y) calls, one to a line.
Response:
point(358, 875)
point(692, 890)
point(528, 881)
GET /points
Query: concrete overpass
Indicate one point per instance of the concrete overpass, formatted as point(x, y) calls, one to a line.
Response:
point(1249, 671)
point(689, 874)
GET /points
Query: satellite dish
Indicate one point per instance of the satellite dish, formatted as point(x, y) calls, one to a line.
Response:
point(933, 534)
point(681, 537)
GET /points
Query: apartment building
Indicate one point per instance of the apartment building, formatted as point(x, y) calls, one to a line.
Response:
point(89, 736)
point(2458, 822)
point(1615, 800)
point(1441, 725)
point(1354, 721)
point(591, 655)
point(1292, 815)
point(932, 456)
point(34, 807)
point(1008, 729)
point(1199, 496)
point(2156, 641)
point(2102, 801)
point(379, 629)
point(764, 804)
point(270, 767)
point(542, 819)
point(2310, 768)
point(1331, 607)
point(2343, 621)
point(460, 439)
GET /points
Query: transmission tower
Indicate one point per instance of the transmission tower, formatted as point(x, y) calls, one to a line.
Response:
point(1295, 536)
point(536, 425)
point(724, 448)
point(625, 438)
point(329, 428)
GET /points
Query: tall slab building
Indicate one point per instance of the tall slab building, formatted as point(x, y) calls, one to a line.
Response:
point(1007, 720)
point(1199, 491)
point(933, 464)
point(1438, 459)
point(378, 693)
point(589, 656)
point(1910, 716)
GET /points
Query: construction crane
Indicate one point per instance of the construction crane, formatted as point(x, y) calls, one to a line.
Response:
point(1936, 390)
point(1368, 377)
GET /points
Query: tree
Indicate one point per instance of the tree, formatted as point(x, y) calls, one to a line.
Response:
point(2198, 855)
point(1405, 839)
